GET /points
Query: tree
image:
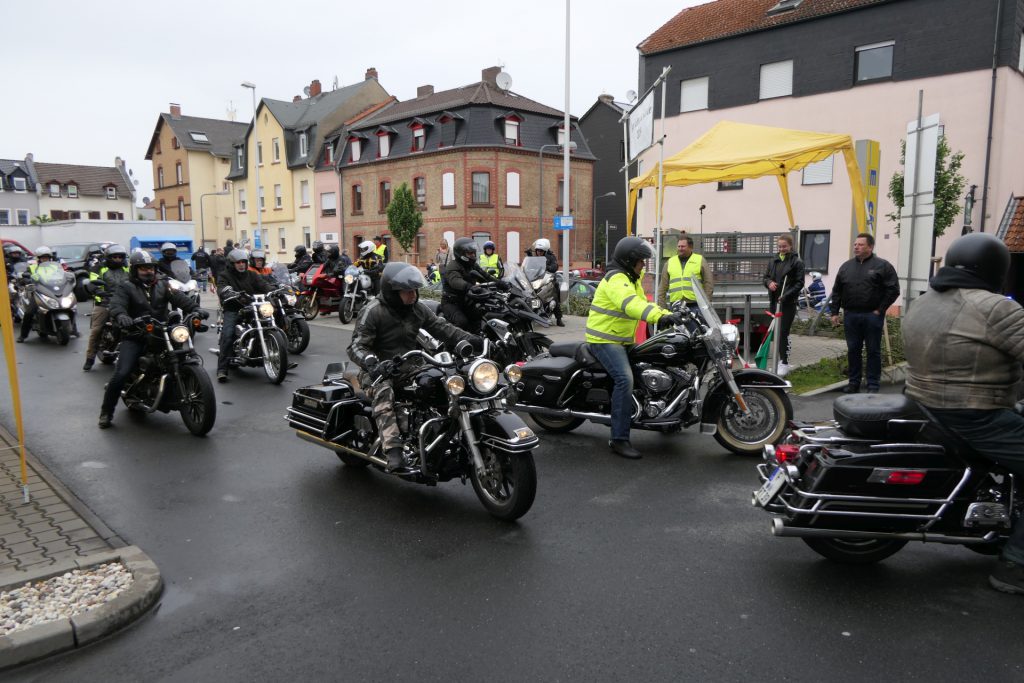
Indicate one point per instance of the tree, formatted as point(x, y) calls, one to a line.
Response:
point(949, 187)
point(404, 217)
point(40, 219)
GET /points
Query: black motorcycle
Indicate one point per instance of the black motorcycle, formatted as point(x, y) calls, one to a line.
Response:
point(508, 318)
point(682, 376)
point(258, 340)
point(287, 316)
point(110, 340)
point(453, 417)
point(884, 472)
point(170, 375)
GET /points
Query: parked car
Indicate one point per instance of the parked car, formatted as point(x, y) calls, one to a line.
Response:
point(75, 257)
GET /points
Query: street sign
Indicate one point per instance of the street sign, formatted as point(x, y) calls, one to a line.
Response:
point(256, 239)
point(564, 223)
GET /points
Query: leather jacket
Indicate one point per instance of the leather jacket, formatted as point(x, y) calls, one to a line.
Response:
point(385, 333)
point(247, 281)
point(458, 278)
point(135, 299)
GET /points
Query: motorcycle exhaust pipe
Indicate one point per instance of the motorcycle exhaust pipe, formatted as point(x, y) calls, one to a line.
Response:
point(779, 528)
point(306, 436)
point(599, 418)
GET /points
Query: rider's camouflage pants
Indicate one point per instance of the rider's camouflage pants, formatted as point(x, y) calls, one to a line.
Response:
point(382, 396)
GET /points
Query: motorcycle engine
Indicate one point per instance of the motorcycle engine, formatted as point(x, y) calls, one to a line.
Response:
point(655, 381)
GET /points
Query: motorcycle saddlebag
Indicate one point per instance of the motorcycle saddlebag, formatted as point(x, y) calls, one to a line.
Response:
point(870, 416)
point(311, 408)
point(544, 379)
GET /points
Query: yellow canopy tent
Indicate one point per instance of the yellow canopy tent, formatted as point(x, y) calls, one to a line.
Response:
point(735, 151)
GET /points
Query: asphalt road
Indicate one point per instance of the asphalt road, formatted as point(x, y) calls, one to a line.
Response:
point(281, 564)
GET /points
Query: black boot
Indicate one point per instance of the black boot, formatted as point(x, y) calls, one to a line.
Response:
point(624, 449)
point(88, 364)
point(105, 420)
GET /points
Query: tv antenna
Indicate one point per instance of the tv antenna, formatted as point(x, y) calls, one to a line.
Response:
point(503, 81)
point(334, 86)
point(306, 91)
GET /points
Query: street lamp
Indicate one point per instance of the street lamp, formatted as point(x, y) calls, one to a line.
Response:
point(593, 223)
point(540, 202)
point(202, 218)
point(256, 165)
point(701, 209)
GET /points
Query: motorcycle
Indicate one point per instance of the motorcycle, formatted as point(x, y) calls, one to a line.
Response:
point(183, 281)
point(258, 341)
point(53, 292)
point(358, 291)
point(542, 289)
point(682, 375)
point(286, 316)
point(453, 417)
point(319, 292)
point(884, 472)
point(507, 319)
point(170, 375)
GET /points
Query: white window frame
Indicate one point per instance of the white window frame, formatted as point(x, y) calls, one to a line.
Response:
point(328, 202)
point(27, 215)
point(1020, 59)
point(776, 80)
point(179, 175)
point(819, 173)
point(5, 216)
point(241, 200)
point(111, 193)
point(159, 177)
point(72, 191)
point(304, 192)
point(263, 200)
point(303, 145)
point(511, 132)
point(448, 189)
point(560, 136)
point(357, 149)
point(384, 145)
point(278, 196)
point(259, 153)
point(282, 239)
point(419, 139)
point(199, 136)
point(277, 149)
point(512, 188)
point(868, 48)
point(240, 153)
point(57, 185)
point(23, 185)
point(693, 94)
point(181, 209)
point(163, 211)
point(328, 153)
point(307, 236)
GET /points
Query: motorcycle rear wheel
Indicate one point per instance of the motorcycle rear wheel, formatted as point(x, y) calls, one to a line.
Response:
point(346, 311)
point(749, 434)
point(556, 425)
point(63, 332)
point(199, 403)
point(298, 336)
point(854, 551)
point(275, 363)
point(509, 486)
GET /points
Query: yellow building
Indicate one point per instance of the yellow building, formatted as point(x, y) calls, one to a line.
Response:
point(282, 148)
point(191, 158)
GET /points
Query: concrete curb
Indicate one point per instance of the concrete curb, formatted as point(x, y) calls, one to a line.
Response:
point(52, 637)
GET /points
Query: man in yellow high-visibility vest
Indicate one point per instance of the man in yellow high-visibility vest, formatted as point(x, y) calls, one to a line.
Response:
point(677, 271)
point(381, 249)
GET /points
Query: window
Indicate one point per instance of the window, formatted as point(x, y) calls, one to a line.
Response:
point(558, 194)
point(5, 216)
point(328, 204)
point(304, 192)
point(384, 145)
point(19, 184)
point(227, 223)
point(357, 149)
point(776, 79)
point(111, 193)
point(159, 177)
point(259, 153)
point(115, 216)
point(277, 150)
point(163, 211)
point(94, 215)
point(281, 240)
point(385, 195)
point(199, 137)
point(357, 199)
point(72, 191)
point(74, 215)
point(419, 138)
point(303, 145)
point(1020, 59)
point(512, 131)
point(241, 200)
point(512, 188)
point(561, 136)
point(245, 236)
point(181, 209)
point(174, 143)
point(278, 197)
point(240, 155)
point(328, 153)
point(22, 216)
point(693, 95)
point(263, 200)
point(54, 189)
point(419, 188)
point(874, 62)
point(730, 185)
point(814, 249)
point(448, 189)
point(819, 173)
point(177, 173)
point(306, 237)
point(481, 188)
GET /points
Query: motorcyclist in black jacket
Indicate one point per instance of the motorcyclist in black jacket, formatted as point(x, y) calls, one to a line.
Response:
point(302, 260)
point(236, 281)
point(332, 266)
point(386, 328)
point(143, 293)
point(462, 273)
point(169, 254)
point(102, 285)
point(319, 252)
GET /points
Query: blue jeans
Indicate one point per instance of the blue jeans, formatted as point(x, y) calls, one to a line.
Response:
point(997, 435)
point(864, 329)
point(615, 359)
point(128, 354)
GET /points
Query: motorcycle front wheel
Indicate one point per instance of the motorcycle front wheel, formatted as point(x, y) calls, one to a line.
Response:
point(508, 485)
point(298, 336)
point(346, 311)
point(854, 551)
point(308, 306)
point(63, 332)
point(748, 433)
point(198, 403)
point(275, 362)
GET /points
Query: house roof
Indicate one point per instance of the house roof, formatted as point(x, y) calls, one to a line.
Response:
point(8, 166)
point(91, 180)
point(726, 18)
point(605, 101)
point(1012, 232)
point(221, 134)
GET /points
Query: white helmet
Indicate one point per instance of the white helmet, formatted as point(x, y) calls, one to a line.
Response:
point(366, 248)
point(815, 275)
point(542, 243)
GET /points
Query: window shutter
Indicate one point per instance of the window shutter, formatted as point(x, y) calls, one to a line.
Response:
point(776, 79)
point(512, 188)
point(819, 173)
point(694, 94)
point(448, 189)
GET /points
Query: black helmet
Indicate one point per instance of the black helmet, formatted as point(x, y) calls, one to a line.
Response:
point(489, 245)
point(141, 258)
point(237, 255)
point(465, 249)
point(116, 250)
point(300, 250)
point(333, 252)
point(318, 246)
point(983, 254)
point(629, 250)
point(398, 277)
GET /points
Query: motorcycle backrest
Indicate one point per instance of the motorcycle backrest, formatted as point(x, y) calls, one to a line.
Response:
point(335, 371)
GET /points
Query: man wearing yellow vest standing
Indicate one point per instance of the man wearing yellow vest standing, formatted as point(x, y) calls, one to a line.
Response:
point(381, 249)
point(677, 271)
point(619, 305)
point(491, 262)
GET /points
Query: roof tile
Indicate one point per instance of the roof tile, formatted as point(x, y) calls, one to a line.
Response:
point(92, 181)
point(1014, 237)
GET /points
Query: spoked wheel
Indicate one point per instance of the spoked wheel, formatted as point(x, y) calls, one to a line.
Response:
point(298, 336)
point(748, 433)
point(198, 402)
point(275, 362)
point(508, 484)
point(346, 311)
point(308, 306)
point(854, 551)
point(63, 332)
point(556, 425)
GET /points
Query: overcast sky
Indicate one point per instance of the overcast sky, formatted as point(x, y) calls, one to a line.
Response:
point(86, 82)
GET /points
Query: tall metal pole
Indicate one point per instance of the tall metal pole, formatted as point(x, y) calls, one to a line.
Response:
point(661, 187)
point(913, 198)
point(255, 158)
point(202, 217)
point(565, 159)
point(593, 224)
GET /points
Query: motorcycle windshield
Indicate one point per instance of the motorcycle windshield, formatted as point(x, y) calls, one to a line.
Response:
point(514, 275)
point(50, 275)
point(279, 272)
point(712, 319)
point(352, 270)
point(534, 267)
point(180, 270)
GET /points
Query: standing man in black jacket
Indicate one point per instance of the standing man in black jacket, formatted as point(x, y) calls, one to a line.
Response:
point(784, 280)
point(865, 287)
point(236, 280)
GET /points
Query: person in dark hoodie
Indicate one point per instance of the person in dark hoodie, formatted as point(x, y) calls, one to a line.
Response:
point(236, 280)
point(784, 280)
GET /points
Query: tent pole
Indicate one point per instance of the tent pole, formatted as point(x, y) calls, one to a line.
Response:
point(661, 188)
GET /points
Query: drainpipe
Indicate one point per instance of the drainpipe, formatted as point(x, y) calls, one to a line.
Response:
point(991, 114)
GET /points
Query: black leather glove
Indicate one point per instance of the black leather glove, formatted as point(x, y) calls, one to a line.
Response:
point(478, 343)
point(125, 321)
point(503, 285)
point(672, 319)
point(382, 369)
point(201, 314)
point(477, 290)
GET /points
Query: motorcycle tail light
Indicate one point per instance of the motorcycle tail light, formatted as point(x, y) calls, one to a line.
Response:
point(786, 452)
point(908, 477)
point(149, 327)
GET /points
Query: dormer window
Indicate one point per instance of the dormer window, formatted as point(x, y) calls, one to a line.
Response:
point(19, 184)
point(784, 6)
point(72, 191)
point(328, 153)
point(239, 153)
point(356, 145)
point(384, 134)
point(303, 145)
point(449, 122)
point(512, 131)
point(54, 189)
point(419, 138)
point(111, 192)
point(199, 136)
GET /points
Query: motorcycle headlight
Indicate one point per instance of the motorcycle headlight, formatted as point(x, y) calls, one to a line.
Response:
point(731, 334)
point(349, 279)
point(67, 301)
point(455, 385)
point(266, 309)
point(514, 373)
point(179, 334)
point(51, 301)
point(484, 375)
point(290, 299)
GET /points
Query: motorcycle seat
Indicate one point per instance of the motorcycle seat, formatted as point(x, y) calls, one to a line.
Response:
point(578, 351)
point(867, 416)
point(351, 375)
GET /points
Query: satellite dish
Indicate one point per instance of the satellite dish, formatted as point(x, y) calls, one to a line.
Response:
point(335, 86)
point(630, 95)
point(504, 81)
point(136, 182)
point(305, 91)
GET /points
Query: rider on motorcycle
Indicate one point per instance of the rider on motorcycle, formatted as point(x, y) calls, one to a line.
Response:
point(143, 293)
point(542, 247)
point(319, 253)
point(371, 264)
point(258, 263)
point(43, 255)
point(387, 327)
point(462, 273)
point(964, 345)
point(491, 262)
point(169, 255)
point(104, 282)
point(237, 279)
point(302, 260)
point(332, 266)
point(619, 305)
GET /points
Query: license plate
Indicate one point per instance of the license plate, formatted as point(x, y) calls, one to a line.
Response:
point(771, 487)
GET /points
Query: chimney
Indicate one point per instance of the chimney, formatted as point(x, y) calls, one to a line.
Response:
point(424, 91)
point(297, 98)
point(371, 73)
point(606, 98)
point(118, 162)
point(314, 88)
point(490, 75)
point(175, 111)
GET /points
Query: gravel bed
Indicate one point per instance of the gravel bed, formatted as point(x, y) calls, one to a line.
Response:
point(62, 596)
